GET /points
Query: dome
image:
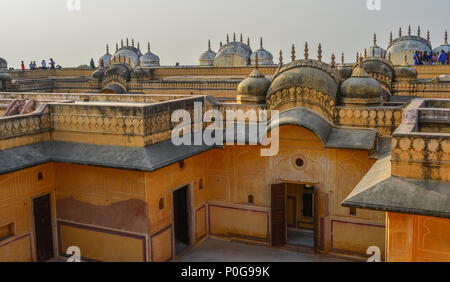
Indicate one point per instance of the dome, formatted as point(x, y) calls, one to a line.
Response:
point(129, 53)
point(444, 46)
point(106, 59)
point(233, 54)
point(379, 69)
point(264, 56)
point(5, 76)
point(253, 89)
point(119, 69)
point(3, 64)
point(149, 59)
point(344, 70)
point(307, 83)
point(98, 74)
point(405, 72)
point(407, 45)
point(360, 88)
point(374, 50)
point(207, 57)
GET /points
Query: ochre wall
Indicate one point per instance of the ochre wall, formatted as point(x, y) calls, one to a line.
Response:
point(416, 238)
point(17, 190)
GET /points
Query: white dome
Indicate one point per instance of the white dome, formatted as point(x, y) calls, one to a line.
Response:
point(3, 64)
point(264, 56)
point(129, 53)
point(149, 59)
point(444, 47)
point(207, 57)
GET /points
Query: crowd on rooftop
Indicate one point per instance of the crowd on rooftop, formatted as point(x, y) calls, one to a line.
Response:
point(434, 58)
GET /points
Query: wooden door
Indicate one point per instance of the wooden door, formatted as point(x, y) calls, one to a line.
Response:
point(291, 211)
point(43, 228)
point(278, 211)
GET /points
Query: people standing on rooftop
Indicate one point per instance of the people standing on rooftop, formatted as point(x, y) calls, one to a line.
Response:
point(92, 64)
point(22, 65)
point(43, 65)
point(442, 58)
point(52, 64)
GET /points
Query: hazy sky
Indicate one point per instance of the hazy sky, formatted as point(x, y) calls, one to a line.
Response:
point(178, 30)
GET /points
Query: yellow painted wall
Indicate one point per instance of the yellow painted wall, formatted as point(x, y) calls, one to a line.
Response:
point(17, 190)
point(416, 238)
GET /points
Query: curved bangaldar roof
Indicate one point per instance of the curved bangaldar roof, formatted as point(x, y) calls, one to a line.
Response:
point(130, 53)
point(233, 54)
point(407, 45)
point(306, 83)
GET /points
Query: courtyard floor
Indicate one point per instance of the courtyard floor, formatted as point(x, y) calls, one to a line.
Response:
point(214, 250)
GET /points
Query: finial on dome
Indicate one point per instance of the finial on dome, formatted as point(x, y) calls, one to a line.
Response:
point(234, 36)
point(409, 30)
point(374, 39)
point(390, 38)
point(248, 41)
point(418, 30)
point(428, 36)
point(139, 47)
point(365, 53)
point(280, 59)
point(127, 42)
point(293, 52)
point(446, 38)
point(306, 51)
point(256, 60)
point(357, 56)
point(242, 39)
point(228, 38)
point(121, 43)
point(319, 53)
point(360, 62)
point(261, 43)
point(333, 62)
point(220, 45)
point(209, 45)
point(148, 47)
point(373, 52)
point(117, 47)
point(400, 32)
point(132, 42)
point(107, 49)
point(342, 58)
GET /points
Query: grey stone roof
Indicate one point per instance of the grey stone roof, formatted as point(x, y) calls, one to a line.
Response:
point(148, 158)
point(378, 190)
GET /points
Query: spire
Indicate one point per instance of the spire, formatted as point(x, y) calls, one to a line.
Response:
point(333, 62)
point(121, 43)
point(418, 31)
point(127, 42)
point(261, 43)
point(280, 60)
point(220, 45)
point(390, 38)
point(228, 39)
point(209, 45)
point(357, 56)
point(400, 32)
point(306, 51)
point(139, 47)
point(132, 42)
point(256, 60)
point(248, 41)
point(107, 49)
point(428, 36)
point(319, 53)
point(365, 53)
point(234, 37)
point(242, 39)
point(342, 58)
point(117, 47)
point(374, 39)
point(373, 52)
point(148, 47)
point(446, 38)
point(409, 30)
point(293, 52)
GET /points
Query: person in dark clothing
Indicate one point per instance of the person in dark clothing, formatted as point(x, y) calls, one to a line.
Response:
point(52, 64)
point(92, 64)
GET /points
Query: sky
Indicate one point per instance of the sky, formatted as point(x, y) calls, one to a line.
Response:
point(178, 30)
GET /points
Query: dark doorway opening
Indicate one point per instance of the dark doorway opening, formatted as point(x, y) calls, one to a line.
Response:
point(181, 219)
point(294, 210)
point(43, 228)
